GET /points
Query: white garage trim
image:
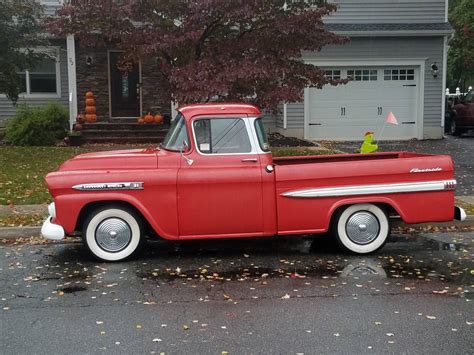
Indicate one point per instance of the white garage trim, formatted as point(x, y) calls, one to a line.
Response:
point(368, 62)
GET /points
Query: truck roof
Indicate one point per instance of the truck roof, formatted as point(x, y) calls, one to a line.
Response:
point(216, 108)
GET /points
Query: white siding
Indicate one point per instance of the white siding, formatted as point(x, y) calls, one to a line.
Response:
point(388, 11)
point(51, 6)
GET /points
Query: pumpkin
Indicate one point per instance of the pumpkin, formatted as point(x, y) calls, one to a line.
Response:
point(80, 118)
point(77, 127)
point(149, 118)
point(91, 118)
point(90, 110)
point(159, 118)
point(89, 95)
point(141, 121)
point(90, 102)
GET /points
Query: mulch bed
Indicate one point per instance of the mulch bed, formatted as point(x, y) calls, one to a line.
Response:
point(279, 140)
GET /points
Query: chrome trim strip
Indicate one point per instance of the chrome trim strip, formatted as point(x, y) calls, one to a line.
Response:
point(370, 189)
point(107, 186)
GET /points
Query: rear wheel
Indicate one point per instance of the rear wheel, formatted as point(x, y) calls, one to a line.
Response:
point(113, 233)
point(362, 228)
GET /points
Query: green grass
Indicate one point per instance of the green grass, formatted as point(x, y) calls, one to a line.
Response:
point(22, 169)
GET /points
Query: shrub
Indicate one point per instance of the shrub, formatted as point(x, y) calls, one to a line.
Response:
point(37, 125)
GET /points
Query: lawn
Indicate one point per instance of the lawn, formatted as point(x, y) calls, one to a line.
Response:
point(22, 169)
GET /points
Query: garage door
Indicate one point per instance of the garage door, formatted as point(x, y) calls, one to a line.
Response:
point(346, 112)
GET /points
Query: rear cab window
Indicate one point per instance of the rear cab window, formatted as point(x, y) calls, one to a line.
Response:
point(221, 136)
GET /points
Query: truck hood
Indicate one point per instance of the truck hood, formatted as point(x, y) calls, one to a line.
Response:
point(110, 160)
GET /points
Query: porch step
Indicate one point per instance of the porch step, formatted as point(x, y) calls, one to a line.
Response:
point(123, 132)
point(123, 125)
point(122, 140)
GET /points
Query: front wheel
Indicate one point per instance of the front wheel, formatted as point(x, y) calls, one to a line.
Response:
point(362, 228)
point(113, 233)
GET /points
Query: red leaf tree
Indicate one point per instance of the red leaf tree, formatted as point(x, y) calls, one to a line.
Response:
point(211, 49)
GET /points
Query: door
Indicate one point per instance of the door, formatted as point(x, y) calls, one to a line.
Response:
point(346, 112)
point(220, 192)
point(124, 88)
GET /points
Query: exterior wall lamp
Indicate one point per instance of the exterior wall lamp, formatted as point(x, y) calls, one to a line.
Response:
point(89, 60)
point(434, 70)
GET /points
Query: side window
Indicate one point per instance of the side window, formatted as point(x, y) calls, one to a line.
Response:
point(222, 136)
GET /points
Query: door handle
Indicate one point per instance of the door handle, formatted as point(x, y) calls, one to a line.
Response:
point(249, 160)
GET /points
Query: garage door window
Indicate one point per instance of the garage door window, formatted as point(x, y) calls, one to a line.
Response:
point(332, 74)
point(362, 75)
point(399, 74)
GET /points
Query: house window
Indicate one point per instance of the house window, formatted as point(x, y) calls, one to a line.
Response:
point(222, 136)
point(362, 75)
point(399, 74)
point(43, 79)
point(332, 74)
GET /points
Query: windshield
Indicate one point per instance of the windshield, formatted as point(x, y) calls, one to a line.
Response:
point(176, 134)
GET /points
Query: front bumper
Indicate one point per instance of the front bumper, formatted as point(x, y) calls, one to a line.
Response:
point(459, 214)
point(52, 231)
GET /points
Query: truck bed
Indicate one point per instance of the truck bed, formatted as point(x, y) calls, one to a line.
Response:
point(344, 158)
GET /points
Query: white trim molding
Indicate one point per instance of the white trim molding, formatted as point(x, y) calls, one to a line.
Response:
point(444, 78)
point(72, 81)
point(373, 189)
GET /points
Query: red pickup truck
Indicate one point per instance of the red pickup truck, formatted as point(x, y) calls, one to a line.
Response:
point(214, 177)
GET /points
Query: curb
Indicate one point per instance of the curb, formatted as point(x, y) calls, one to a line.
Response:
point(19, 232)
point(29, 231)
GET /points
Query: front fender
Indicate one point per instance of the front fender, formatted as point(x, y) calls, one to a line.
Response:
point(69, 207)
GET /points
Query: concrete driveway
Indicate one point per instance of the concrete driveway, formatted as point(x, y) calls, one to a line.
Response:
point(460, 148)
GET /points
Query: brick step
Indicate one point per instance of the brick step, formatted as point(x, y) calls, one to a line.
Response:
point(121, 140)
point(109, 126)
point(124, 133)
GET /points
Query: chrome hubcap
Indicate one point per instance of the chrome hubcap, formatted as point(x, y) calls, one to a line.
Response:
point(113, 235)
point(362, 228)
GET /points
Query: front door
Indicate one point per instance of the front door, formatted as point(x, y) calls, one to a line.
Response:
point(124, 88)
point(220, 193)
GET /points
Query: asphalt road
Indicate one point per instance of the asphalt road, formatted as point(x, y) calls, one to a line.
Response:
point(460, 148)
point(271, 296)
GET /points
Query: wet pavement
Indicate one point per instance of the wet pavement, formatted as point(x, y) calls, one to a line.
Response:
point(460, 148)
point(277, 295)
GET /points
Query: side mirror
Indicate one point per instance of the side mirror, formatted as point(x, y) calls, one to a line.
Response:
point(185, 148)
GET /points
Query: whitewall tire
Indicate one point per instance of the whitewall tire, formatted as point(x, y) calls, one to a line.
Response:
point(362, 228)
point(113, 233)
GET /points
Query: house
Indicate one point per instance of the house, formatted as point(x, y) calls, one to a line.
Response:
point(396, 61)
